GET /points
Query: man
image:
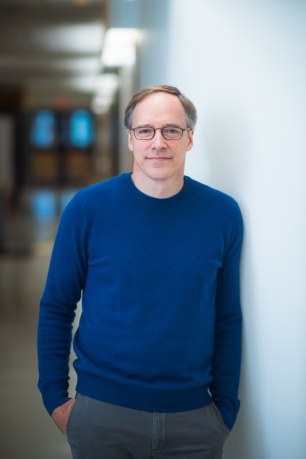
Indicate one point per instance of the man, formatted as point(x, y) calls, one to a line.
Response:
point(156, 255)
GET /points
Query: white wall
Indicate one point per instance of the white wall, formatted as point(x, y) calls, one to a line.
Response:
point(243, 65)
point(154, 55)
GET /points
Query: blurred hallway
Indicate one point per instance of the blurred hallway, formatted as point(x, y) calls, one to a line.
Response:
point(27, 432)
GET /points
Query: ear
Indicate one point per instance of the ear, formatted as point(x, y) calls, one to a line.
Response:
point(130, 140)
point(190, 140)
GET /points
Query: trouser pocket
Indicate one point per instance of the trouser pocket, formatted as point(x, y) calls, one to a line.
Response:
point(71, 416)
point(220, 418)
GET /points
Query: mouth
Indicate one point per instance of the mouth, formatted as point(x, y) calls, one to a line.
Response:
point(158, 158)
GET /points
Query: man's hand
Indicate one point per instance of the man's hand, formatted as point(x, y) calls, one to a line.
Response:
point(61, 414)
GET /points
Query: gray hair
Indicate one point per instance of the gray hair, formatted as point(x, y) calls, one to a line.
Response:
point(190, 110)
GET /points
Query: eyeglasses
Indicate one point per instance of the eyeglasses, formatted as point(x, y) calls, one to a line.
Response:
point(168, 132)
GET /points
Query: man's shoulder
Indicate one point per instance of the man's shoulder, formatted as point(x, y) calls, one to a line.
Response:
point(207, 194)
point(217, 207)
point(107, 187)
point(100, 195)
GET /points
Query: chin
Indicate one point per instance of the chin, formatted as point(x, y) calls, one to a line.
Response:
point(160, 175)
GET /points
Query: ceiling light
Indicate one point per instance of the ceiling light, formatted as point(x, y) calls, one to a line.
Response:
point(107, 83)
point(106, 86)
point(119, 47)
point(101, 103)
point(80, 38)
point(82, 83)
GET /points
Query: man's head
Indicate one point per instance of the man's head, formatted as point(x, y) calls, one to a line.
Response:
point(189, 108)
point(159, 124)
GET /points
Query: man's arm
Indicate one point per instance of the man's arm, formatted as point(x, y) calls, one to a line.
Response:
point(65, 281)
point(228, 325)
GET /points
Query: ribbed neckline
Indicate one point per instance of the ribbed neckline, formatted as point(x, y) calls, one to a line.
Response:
point(136, 193)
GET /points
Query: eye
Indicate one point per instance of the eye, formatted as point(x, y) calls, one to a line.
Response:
point(144, 131)
point(172, 130)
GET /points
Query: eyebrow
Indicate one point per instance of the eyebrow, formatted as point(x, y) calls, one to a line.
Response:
point(165, 125)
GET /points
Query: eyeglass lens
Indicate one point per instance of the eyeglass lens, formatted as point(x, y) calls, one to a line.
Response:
point(169, 132)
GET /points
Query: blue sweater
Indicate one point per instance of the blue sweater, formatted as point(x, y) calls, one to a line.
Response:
point(160, 328)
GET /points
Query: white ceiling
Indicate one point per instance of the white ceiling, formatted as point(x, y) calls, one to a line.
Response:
point(50, 46)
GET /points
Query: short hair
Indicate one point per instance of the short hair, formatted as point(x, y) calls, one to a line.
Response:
point(190, 110)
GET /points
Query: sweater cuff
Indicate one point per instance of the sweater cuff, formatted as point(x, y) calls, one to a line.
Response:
point(228, 408)
point(54, 394)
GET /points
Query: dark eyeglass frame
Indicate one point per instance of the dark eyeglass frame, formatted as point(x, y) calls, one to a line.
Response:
point(161, 129)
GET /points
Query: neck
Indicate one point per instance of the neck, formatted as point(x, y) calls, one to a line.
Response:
point(158, 188)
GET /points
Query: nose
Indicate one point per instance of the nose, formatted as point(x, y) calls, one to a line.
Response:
point(158, 140)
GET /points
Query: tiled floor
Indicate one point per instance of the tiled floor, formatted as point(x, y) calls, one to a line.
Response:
point(26, 430)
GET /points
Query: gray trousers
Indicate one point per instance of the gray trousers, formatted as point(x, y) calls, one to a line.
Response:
point(99, 430)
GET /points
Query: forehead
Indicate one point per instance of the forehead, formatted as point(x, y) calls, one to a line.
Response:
point(158, 109)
